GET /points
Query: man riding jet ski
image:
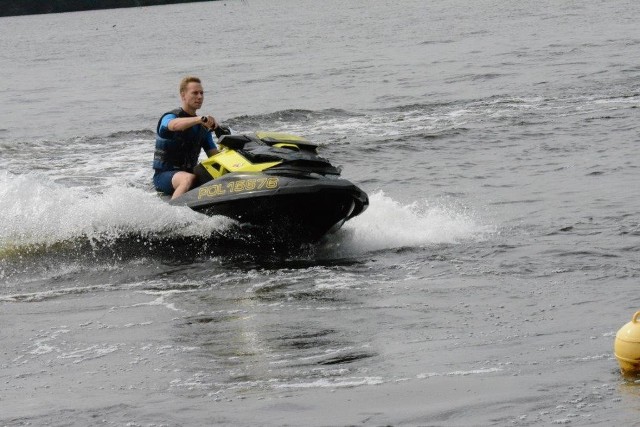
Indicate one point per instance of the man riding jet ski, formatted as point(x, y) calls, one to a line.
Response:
point(277, 182)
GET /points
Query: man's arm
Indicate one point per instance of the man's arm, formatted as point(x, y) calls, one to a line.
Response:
point(209, 146)
point(182, 123)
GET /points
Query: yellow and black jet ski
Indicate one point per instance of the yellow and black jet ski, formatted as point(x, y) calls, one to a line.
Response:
point(277, 183)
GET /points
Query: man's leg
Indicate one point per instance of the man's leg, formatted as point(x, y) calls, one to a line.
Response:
point(182, 182)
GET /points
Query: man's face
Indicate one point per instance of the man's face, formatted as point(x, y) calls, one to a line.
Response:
point(193, 96)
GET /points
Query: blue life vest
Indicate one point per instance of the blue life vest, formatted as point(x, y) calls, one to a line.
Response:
point(182, 149)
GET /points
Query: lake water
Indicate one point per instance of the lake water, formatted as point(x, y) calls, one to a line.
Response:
point(483, 286)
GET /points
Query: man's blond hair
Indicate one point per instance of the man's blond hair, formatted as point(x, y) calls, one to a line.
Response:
point(186, 81)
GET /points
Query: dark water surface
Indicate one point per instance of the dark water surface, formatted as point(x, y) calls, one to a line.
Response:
point(483, 286)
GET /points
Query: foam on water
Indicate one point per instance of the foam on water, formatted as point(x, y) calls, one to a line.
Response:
point(388, 224)
point(39, 212)
point(458, 373)
point(345, 382)
point(36, 211)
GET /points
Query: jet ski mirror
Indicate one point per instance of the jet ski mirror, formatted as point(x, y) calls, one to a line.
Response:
point(235, 142)
point(222, 130)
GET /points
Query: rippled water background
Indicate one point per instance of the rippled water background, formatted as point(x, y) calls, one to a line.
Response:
point(483, 286)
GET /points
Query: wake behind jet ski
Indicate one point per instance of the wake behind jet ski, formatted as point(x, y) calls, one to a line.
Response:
point(276, 183)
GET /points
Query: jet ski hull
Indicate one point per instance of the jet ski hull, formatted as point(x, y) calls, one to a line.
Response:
point(280, 208)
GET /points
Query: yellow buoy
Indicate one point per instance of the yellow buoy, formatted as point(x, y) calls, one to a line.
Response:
point(627, 347)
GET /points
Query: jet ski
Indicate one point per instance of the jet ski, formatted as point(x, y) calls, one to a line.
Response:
point(277, 185)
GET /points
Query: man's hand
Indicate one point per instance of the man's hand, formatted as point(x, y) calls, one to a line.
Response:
point(209, 122)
